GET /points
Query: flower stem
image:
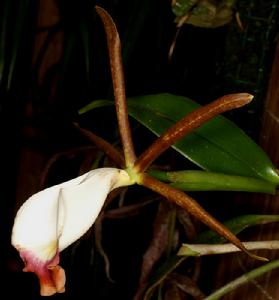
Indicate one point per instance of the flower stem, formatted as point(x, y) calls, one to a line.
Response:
point(196, 180)
point(187, 124)
point(114, 48)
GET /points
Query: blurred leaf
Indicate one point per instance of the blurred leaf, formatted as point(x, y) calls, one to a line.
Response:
point(172, 292)
point(206, 13)
point(184, 218)
point(3, 34)
point(12, 23)
point(161, 273)
point(189, 180)
point(219, 145)
point(135, 27)
point(187, 285)
point(51, 33)
point(95, 104)
point(84, 33)
point(245, 278)
point(236, 225)
point(183, 7)
point(157, 246)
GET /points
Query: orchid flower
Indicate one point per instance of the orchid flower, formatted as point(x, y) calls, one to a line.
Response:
point(52, 219)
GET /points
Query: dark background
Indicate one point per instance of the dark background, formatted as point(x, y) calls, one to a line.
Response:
point(51, 80)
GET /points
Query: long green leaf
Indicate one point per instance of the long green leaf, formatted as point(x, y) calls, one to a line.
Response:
point(12, 23)
point(20, 20)
point(218, 146)
point(3, 37)
point(236, 225)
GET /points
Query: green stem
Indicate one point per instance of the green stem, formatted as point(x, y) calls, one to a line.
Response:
point(194, 180)
point(243, 279)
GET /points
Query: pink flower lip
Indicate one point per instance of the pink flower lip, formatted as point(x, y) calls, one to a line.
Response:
point(51, 276)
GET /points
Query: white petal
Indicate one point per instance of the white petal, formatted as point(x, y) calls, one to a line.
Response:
point(35, 225)
point(82, 203)
point(65, 211)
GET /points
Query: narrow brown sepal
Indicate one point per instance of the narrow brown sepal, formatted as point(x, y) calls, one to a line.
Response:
point(117, 73)
point(190, 205)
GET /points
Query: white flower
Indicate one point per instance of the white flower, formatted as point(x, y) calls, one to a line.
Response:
point(51, 220)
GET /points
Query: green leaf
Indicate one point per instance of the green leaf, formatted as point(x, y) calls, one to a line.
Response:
point(3, 37)
point(95, 104)
point(193, 180)
point(236, 225)
point(12, 22)
point(84, 33)
point(219, 145)
point(182, 7)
